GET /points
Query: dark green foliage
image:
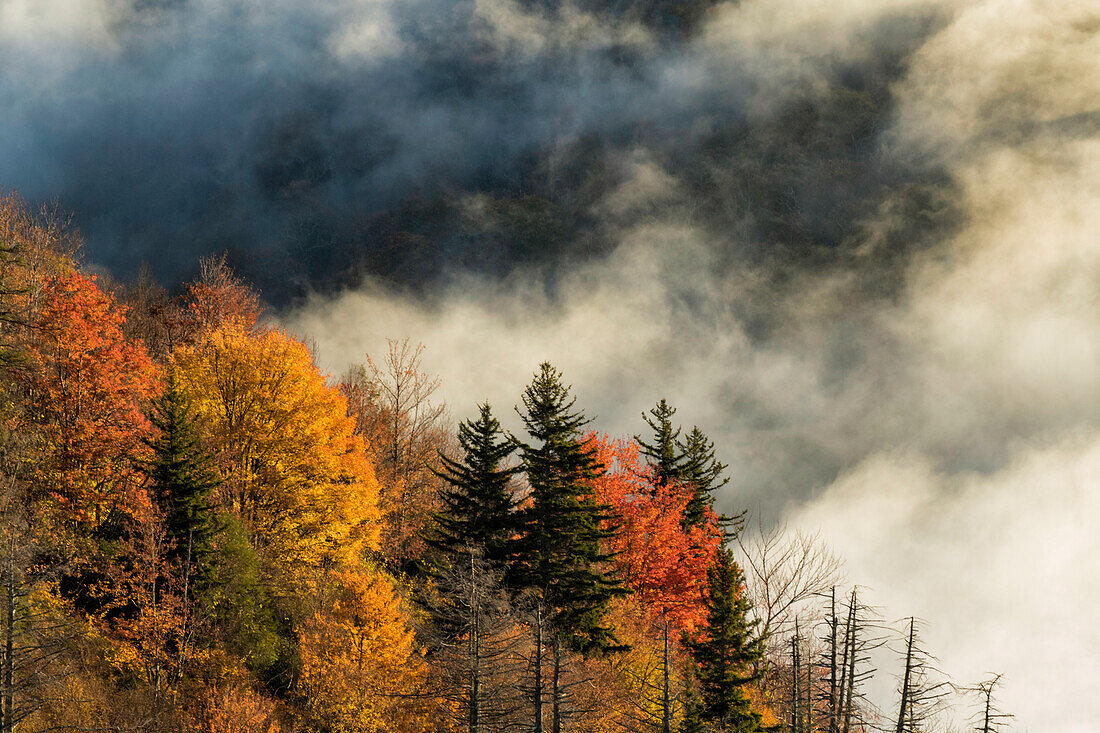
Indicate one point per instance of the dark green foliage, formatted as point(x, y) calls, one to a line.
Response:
point(479, 507)
point(692, 720)
point(248, 619)
point(181, 479)
point(727, 653)
point(563, 525)
point(703, 469)
point(663, 454)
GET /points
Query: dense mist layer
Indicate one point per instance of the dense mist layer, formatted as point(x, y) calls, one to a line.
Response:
point(854, 240)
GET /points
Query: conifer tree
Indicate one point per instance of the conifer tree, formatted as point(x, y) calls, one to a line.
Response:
point(663, 454)
point(182, 477)
point(727, 653)
point(479, 507)
point(703, 469)
point(564, 525)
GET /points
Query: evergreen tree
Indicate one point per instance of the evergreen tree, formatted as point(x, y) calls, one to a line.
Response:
point(663, 454)
point(692, 719)
point(726, 653)
point(703, 469)
point(563, 525)
point(479, 508)
point(182, 477)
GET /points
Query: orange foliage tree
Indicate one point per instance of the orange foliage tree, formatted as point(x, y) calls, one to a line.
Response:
point(295, 471)
point(663, 563)
point(220, 299)
point(86, 388)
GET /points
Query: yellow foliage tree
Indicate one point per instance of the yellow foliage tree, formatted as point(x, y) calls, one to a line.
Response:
point(295, 471)
point(359, 661)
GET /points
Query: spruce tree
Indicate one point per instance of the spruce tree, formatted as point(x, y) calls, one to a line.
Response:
point(663, 454)
point(703, 469)
point(479, 507)
point(563, 525)
point(727, 652)
point(182, 478)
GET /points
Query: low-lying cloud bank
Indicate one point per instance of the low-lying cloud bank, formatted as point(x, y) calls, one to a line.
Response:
point(945, 433)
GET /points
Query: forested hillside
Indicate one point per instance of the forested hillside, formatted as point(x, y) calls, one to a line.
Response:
point(203, 532)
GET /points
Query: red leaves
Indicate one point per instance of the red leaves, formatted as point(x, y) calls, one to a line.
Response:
point(87, 386)
point(661, 561)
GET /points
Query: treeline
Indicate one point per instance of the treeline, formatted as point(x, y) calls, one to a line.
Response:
point(201, 532)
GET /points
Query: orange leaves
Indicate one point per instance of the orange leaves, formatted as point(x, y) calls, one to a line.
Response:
point(357, 657)
point(87, 386)
point(661, 561)
point(295, 470)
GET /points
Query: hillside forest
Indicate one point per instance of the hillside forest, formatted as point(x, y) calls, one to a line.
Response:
point(202, 532)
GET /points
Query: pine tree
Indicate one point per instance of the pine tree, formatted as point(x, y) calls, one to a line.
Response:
point(479, 507)
point(563, 525)
point(703, 469)
point(726, 653)
point(182, 477)
point(663, 454)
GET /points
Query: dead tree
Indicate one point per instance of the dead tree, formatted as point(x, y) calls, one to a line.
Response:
point(922, 691)
point(846, 660)
point(785, 572)
point(474, 641)
point(988, 718)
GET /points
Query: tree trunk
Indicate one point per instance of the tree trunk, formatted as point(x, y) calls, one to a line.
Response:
point(835, 624)
point(851, 653)
point(9, 640)
point(666, 698)
point(538, 669)
point(557, 687)
point(905, 678)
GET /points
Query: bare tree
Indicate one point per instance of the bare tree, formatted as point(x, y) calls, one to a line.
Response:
point(853, 633)
point(405, 429)
point(922, 691)
point(989, 718)
point(475, 646)
point(785, 572)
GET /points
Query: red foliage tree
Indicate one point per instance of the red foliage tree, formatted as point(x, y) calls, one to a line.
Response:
point(663, 563)
point(86, 388)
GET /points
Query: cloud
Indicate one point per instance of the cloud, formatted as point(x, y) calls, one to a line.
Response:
point(854, 240)
point(926, 392)
point(999, 564)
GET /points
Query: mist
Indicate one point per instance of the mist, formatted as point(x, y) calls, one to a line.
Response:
point(853, 240)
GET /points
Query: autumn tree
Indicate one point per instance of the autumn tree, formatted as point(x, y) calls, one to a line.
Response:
point(221, 300)
point(35, 632)
point(86, 388)
point(359, 661)
point(293, 468)
point(146, 608)
point(158, 320)
point(658, 556)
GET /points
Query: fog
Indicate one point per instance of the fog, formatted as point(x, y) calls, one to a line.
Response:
point(853, 240)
